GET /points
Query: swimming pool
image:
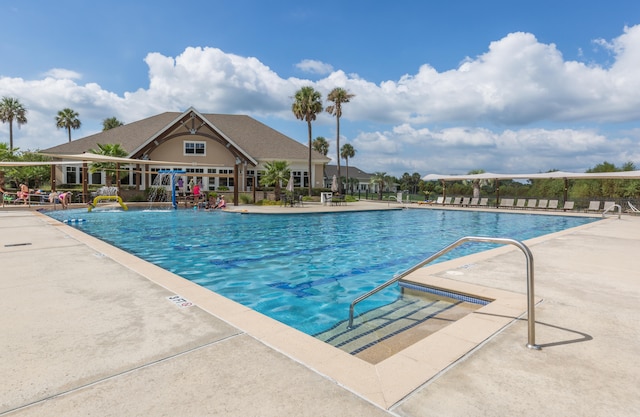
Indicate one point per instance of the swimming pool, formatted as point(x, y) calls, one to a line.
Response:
point(302, 270)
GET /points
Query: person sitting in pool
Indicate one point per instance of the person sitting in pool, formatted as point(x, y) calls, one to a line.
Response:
point(65, 198)
point(221, 204)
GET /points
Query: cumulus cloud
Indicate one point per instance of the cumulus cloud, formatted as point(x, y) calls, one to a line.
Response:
point(314, 67)
point(518, 106)
point(61, 73)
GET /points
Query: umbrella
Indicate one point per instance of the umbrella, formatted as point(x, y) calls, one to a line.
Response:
point(334, 184)
point(290, 183)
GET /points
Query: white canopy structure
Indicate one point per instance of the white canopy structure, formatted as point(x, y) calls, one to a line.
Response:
point(540, 175)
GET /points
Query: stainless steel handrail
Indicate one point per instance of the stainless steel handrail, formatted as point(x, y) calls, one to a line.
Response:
point(610, 208)
point(531, 343)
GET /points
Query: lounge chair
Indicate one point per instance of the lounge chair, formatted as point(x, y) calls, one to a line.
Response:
point(553, 205)
point(532, 203)
point(440, 200)
point(484, 202)
point(594, 206)
point(466, 201)
point(542, 204)
point(506, 202)
point(608, 205)
point(474, 201)
point(568, 205)
point(447, 201)
point(521, 203)
point(632, 209)
point(457, 201)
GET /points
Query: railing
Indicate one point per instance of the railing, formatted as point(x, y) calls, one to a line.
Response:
point(611, 208)
point(531, 343)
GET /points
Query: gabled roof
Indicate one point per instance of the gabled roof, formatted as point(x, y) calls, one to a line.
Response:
point(254, 138)
point(354, 172)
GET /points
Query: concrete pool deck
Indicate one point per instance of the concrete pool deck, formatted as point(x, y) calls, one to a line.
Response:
point(91, 330)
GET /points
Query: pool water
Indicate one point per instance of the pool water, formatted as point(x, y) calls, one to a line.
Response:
point(303, 270)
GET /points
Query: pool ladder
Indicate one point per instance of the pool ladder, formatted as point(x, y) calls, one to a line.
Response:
point(531, 343)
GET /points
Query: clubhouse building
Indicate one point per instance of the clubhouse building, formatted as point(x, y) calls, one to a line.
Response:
point(219, 151)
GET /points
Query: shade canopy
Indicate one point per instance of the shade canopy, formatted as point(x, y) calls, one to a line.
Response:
point(539, 175)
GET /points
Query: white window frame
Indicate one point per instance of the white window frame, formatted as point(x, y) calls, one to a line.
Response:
point(195, 147)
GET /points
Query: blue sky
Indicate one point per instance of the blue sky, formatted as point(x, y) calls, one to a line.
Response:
point(441, 87)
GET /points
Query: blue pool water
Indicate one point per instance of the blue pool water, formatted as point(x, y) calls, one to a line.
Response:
point(303, 270)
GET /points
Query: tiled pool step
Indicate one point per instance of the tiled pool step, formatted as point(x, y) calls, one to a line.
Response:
point(380, 324)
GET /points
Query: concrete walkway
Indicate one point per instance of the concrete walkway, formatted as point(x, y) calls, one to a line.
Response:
point(84, 334)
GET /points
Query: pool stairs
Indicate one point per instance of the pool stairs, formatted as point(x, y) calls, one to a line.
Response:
point(385, 322)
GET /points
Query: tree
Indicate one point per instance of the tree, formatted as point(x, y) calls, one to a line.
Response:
point(108, 167)
point(110, 123)
point(321, 145)
point(68, 119)
point(347, 152)
point(307, 105)
point(477, 183)
point(11, 109)
point(276, 172)
point(338, 96)
point(378, 178)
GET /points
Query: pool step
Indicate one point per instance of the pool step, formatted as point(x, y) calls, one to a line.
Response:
point(384, 322)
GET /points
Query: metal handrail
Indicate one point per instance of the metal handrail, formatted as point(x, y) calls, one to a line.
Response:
point(610, 208)
point(531, 343)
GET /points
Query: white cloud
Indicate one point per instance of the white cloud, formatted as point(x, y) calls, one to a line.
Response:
point(518, 106)
point(314, 67)
point(61, 73)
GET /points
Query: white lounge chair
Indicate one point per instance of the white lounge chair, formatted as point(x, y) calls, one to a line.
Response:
point(553, 205)
point(594, 206)
point(632, 209)
point(521, 203)
point(532, 202)
point(484, 202)
point(440, 200)
point(568, 205)
point(474, 201)
point(506, 202)
point(542, 204)
point(465, 201)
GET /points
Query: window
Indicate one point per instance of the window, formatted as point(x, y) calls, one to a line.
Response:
point(71, 175)
point(194, 148)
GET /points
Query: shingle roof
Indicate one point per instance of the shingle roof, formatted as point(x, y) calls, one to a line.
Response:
point(255, 138)
point(354, 172)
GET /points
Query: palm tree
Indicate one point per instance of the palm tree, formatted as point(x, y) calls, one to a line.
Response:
point(11, 109)
point(477, 183)
point(68, 119)
point(338, 96)
point(110, 123)
point(275, 173)
point(321, 145)
point(307, 105)
point(347, 152)
point(110, 168)
point(379, 179)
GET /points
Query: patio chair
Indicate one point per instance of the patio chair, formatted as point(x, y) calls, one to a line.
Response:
point(474, 201)
point(632, 209)
point(532, 202)
point(506, 202)
point(594, 206)
point(568, 205)
point(608, 205)
point(521, 203)
point(440, 200)
point(484, 202)
point(553, 205)
point(457, 201)
point(542, 204)
point(466, 201)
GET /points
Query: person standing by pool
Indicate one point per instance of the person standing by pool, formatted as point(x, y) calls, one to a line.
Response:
point(196, 193)
point(23, 193)
point(180, 186)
